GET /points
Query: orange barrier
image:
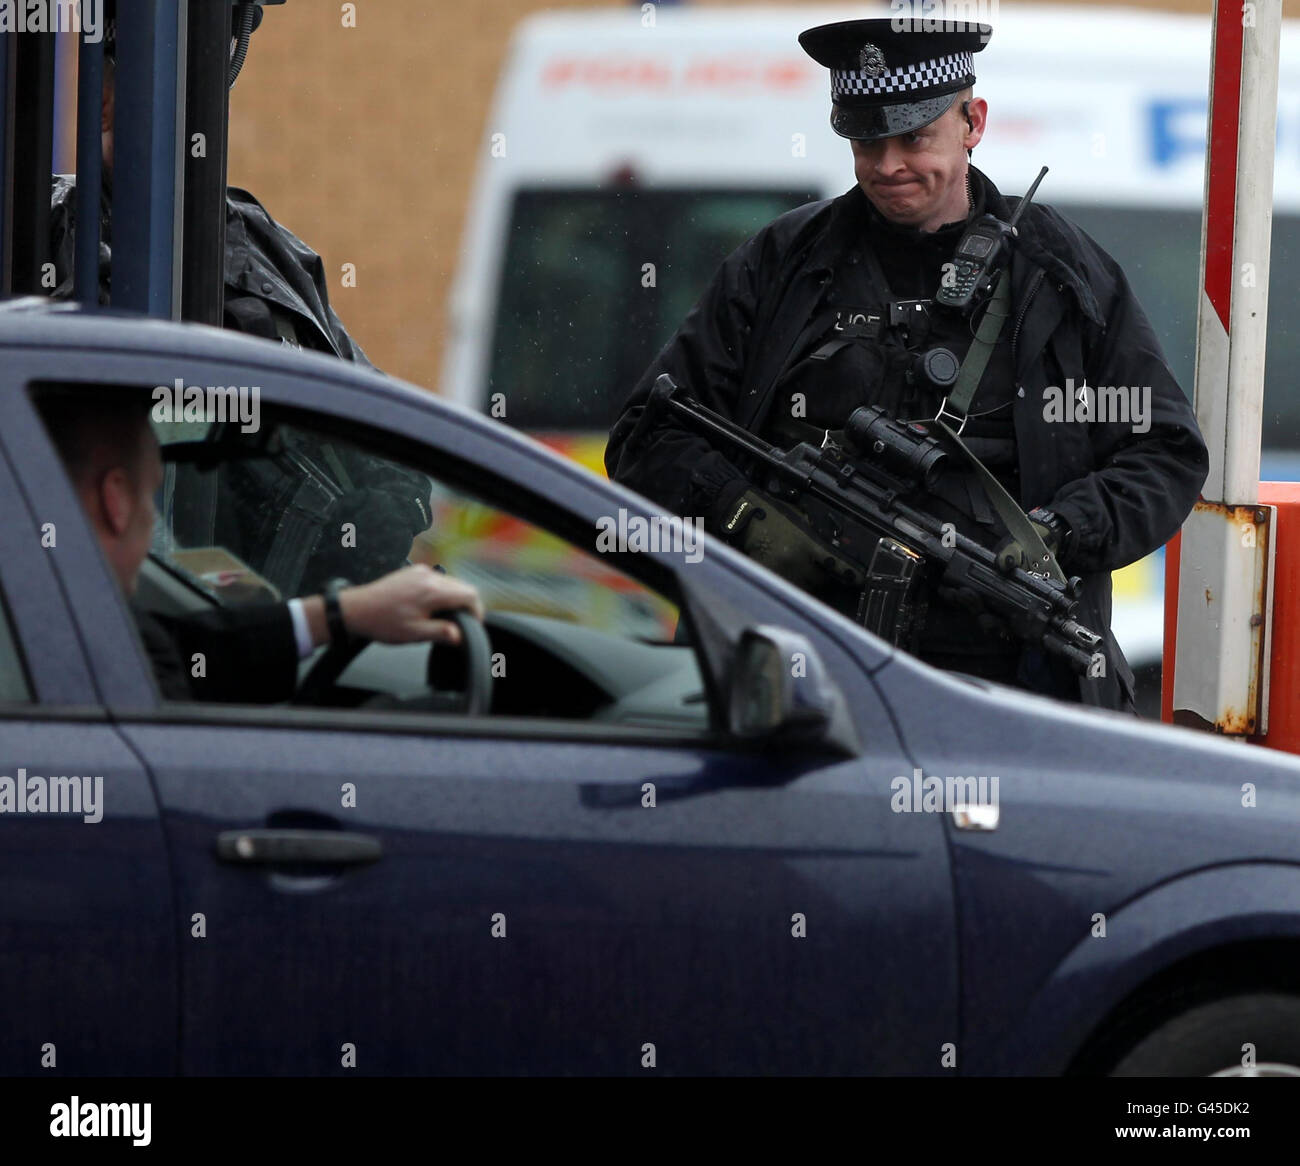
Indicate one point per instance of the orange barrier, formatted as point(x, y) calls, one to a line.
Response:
point(1284, 676)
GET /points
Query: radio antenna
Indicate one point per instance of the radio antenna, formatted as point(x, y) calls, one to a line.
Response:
point(1024, 202)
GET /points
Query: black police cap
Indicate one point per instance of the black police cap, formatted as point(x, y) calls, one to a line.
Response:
point(895, 74)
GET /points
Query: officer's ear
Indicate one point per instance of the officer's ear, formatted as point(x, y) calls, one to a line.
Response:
point(975, 111)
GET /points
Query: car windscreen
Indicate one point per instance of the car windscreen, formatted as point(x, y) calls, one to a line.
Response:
point(595, 282)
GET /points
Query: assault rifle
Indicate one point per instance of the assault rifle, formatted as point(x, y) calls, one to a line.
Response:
point(865, 498)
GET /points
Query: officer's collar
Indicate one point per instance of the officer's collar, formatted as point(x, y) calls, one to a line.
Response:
point(238, 265)
point(1040, 239)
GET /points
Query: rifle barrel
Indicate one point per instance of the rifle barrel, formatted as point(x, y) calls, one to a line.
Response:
point(716, 425)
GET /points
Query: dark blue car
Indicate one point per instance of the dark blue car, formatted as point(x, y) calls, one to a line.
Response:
point(673, 817)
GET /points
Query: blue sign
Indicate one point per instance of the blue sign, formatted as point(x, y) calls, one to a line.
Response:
point(1177, 128)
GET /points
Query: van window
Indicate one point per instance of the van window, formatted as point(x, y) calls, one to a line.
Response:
point(578, 318)
point(575, 328)
point(1160, 251)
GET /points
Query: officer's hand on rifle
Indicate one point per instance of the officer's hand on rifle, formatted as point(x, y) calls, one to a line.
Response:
point(780, 538)
point(1051, 529)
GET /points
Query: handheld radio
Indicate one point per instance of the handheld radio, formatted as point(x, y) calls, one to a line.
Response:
point(981, 255)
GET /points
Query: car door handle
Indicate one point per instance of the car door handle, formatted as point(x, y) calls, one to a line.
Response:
point(271, 847)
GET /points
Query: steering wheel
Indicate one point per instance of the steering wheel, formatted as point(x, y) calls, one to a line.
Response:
point(471, 699)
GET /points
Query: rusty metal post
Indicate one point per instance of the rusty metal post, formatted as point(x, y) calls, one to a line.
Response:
point(1220, 674)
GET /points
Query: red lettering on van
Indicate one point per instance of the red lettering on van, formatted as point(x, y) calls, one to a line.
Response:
point(747, 73)
point(716, 73)
point(603, 74)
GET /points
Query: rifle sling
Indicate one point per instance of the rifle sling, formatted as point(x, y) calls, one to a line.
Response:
point(1016, 520)
point(957, 405)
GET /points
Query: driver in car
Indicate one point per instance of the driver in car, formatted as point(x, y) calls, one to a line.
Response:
point(249, 654)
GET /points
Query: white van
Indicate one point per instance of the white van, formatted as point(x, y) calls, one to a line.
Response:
point(614, 145)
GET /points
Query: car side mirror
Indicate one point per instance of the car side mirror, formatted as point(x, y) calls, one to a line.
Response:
point(780, 691)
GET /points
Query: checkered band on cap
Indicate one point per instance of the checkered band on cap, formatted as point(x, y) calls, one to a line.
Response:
point(925, 75)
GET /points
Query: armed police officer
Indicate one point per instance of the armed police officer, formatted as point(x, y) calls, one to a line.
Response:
point(832, 306)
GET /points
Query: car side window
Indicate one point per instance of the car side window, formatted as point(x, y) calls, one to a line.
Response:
point(258, 520)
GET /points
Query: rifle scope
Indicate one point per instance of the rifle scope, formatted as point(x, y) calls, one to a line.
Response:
point(905, 450)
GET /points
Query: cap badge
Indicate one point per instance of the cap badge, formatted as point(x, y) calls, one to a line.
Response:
point(872, 61)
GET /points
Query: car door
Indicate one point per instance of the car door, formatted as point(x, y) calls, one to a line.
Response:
point(503, 896)
point(88, 959)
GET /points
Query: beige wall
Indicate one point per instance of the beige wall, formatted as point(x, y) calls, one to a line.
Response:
point(364, 141)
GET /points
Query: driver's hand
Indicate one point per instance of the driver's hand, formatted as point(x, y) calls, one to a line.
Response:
point(395, 609)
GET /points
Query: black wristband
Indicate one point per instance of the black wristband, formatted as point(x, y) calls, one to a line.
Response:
point(1060, 529)
point(338, 629)
point(1050, 519)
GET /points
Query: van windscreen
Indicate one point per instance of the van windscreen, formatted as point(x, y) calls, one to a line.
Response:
point(595, 282)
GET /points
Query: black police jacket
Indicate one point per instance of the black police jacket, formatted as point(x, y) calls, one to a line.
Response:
point(264, 263)
point(1074, 316)
point(275, 283)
